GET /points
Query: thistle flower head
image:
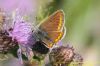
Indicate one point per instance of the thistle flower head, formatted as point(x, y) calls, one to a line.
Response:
point(6, 43)
point(21, 30)
point(77, 59)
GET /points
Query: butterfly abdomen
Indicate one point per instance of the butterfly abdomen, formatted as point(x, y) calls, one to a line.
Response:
point(40, 47)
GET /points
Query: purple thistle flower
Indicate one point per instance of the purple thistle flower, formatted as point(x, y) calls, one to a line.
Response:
point(21, 30)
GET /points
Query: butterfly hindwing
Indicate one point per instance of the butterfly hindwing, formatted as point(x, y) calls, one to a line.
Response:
point(55, 37)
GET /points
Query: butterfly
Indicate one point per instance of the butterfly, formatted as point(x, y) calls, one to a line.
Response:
point(41, 38)
point(53, 27)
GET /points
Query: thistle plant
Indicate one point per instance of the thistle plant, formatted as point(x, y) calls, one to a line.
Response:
point(64, 56)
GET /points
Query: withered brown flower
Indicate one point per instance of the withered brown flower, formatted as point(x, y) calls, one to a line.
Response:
point(6, 42)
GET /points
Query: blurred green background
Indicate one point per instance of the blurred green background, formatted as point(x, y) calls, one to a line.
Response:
point(82, 21)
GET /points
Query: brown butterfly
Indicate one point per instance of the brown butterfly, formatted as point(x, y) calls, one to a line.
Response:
point(51, 30)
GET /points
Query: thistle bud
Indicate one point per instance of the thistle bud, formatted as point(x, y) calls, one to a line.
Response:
point(61, 56)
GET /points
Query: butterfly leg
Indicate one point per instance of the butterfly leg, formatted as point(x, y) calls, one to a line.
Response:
point(19, 53)
point(29, 53)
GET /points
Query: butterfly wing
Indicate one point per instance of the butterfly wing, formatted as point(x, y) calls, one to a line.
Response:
point(53, 26)
point(54, 23)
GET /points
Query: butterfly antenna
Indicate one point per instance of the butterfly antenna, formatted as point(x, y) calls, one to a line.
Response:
point(19, 53)
point(16, 16)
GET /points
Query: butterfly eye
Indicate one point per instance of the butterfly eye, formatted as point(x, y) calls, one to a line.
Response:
point(10, 29)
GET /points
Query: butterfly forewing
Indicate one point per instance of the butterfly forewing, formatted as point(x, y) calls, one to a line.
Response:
point(53, 26)
point(54, 22)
